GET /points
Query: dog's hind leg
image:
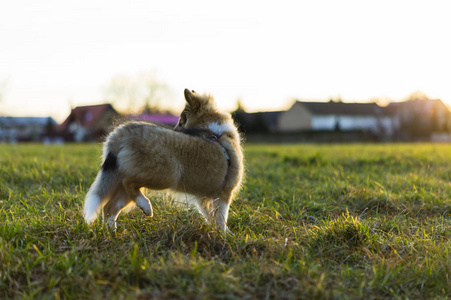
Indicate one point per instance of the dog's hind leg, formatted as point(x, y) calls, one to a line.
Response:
point(113, 208)
point(144, 203)
point(101, 189)
point(134, 193)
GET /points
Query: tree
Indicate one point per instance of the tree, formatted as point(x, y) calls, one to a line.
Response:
point(239, 117)
point(381, 101)
point(154, 91)
point(239, 106)
point(142, 92)
point(249, 122)
point(417, 95)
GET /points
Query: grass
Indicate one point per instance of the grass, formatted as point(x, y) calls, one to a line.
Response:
point(312, 221)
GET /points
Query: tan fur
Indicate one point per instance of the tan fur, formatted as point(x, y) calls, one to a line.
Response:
point(157, 158)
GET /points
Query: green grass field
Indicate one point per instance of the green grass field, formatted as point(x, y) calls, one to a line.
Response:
point(312, 221)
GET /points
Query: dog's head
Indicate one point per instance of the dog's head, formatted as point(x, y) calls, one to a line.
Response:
point(201, 113)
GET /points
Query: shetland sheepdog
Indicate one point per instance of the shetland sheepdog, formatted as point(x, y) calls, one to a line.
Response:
point(201, 157)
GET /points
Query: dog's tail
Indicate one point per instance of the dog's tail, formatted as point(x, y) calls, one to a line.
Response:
point(101, 188)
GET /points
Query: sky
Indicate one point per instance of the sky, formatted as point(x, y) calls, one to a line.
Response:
point(55, 55)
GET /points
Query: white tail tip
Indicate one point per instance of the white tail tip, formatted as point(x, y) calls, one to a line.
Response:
point(91, 207)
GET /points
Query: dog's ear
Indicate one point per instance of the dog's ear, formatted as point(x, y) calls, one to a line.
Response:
point(192, 99)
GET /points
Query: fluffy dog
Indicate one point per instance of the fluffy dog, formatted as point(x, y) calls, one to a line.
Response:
point(201, 157)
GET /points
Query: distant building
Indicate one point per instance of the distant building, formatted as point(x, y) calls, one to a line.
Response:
point(258, 122)
point(421, 117)
point(25, 129)
point(425, 119)
point(329, 116)
point(88, 123)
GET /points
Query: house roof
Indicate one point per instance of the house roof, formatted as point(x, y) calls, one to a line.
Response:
point(423, 104)
point(86, 116)
point(342, 108)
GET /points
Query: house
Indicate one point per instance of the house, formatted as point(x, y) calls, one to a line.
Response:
point(421, 117)
point(25, 129)
point(424, 119)
point(330, 116)
point(257, 122)
point(88, 123)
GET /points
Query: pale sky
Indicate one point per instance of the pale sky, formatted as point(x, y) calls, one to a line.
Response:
point(54, 54)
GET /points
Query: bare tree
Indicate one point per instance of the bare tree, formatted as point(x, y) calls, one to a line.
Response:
point(418, 95)
point(121, 91)
point(142, 92)
point(381, 101)
point(154, 91)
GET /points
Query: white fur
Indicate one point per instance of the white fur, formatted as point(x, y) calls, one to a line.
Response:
point(112, 222)
point(91, 207)
point(220, 209)
point(220, 128)
point(144, 203)
point(222, 214)
point(185, 200)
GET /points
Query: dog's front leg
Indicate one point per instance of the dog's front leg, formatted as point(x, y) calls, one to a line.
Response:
point(204, 206)
point(216, 211)
point(221, 211)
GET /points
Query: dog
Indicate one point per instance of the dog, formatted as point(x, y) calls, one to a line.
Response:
point(200, 157)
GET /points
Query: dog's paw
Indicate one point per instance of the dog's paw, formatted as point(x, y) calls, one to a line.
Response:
point(111, 223)
point(148, 211)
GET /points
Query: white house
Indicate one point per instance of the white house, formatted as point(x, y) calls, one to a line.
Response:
point(14, 129)
point(341, 116)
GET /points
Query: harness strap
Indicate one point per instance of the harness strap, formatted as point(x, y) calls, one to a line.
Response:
point(215, 138)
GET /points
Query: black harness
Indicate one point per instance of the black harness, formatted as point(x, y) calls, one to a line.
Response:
point(210, 135)
point(215, 138)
